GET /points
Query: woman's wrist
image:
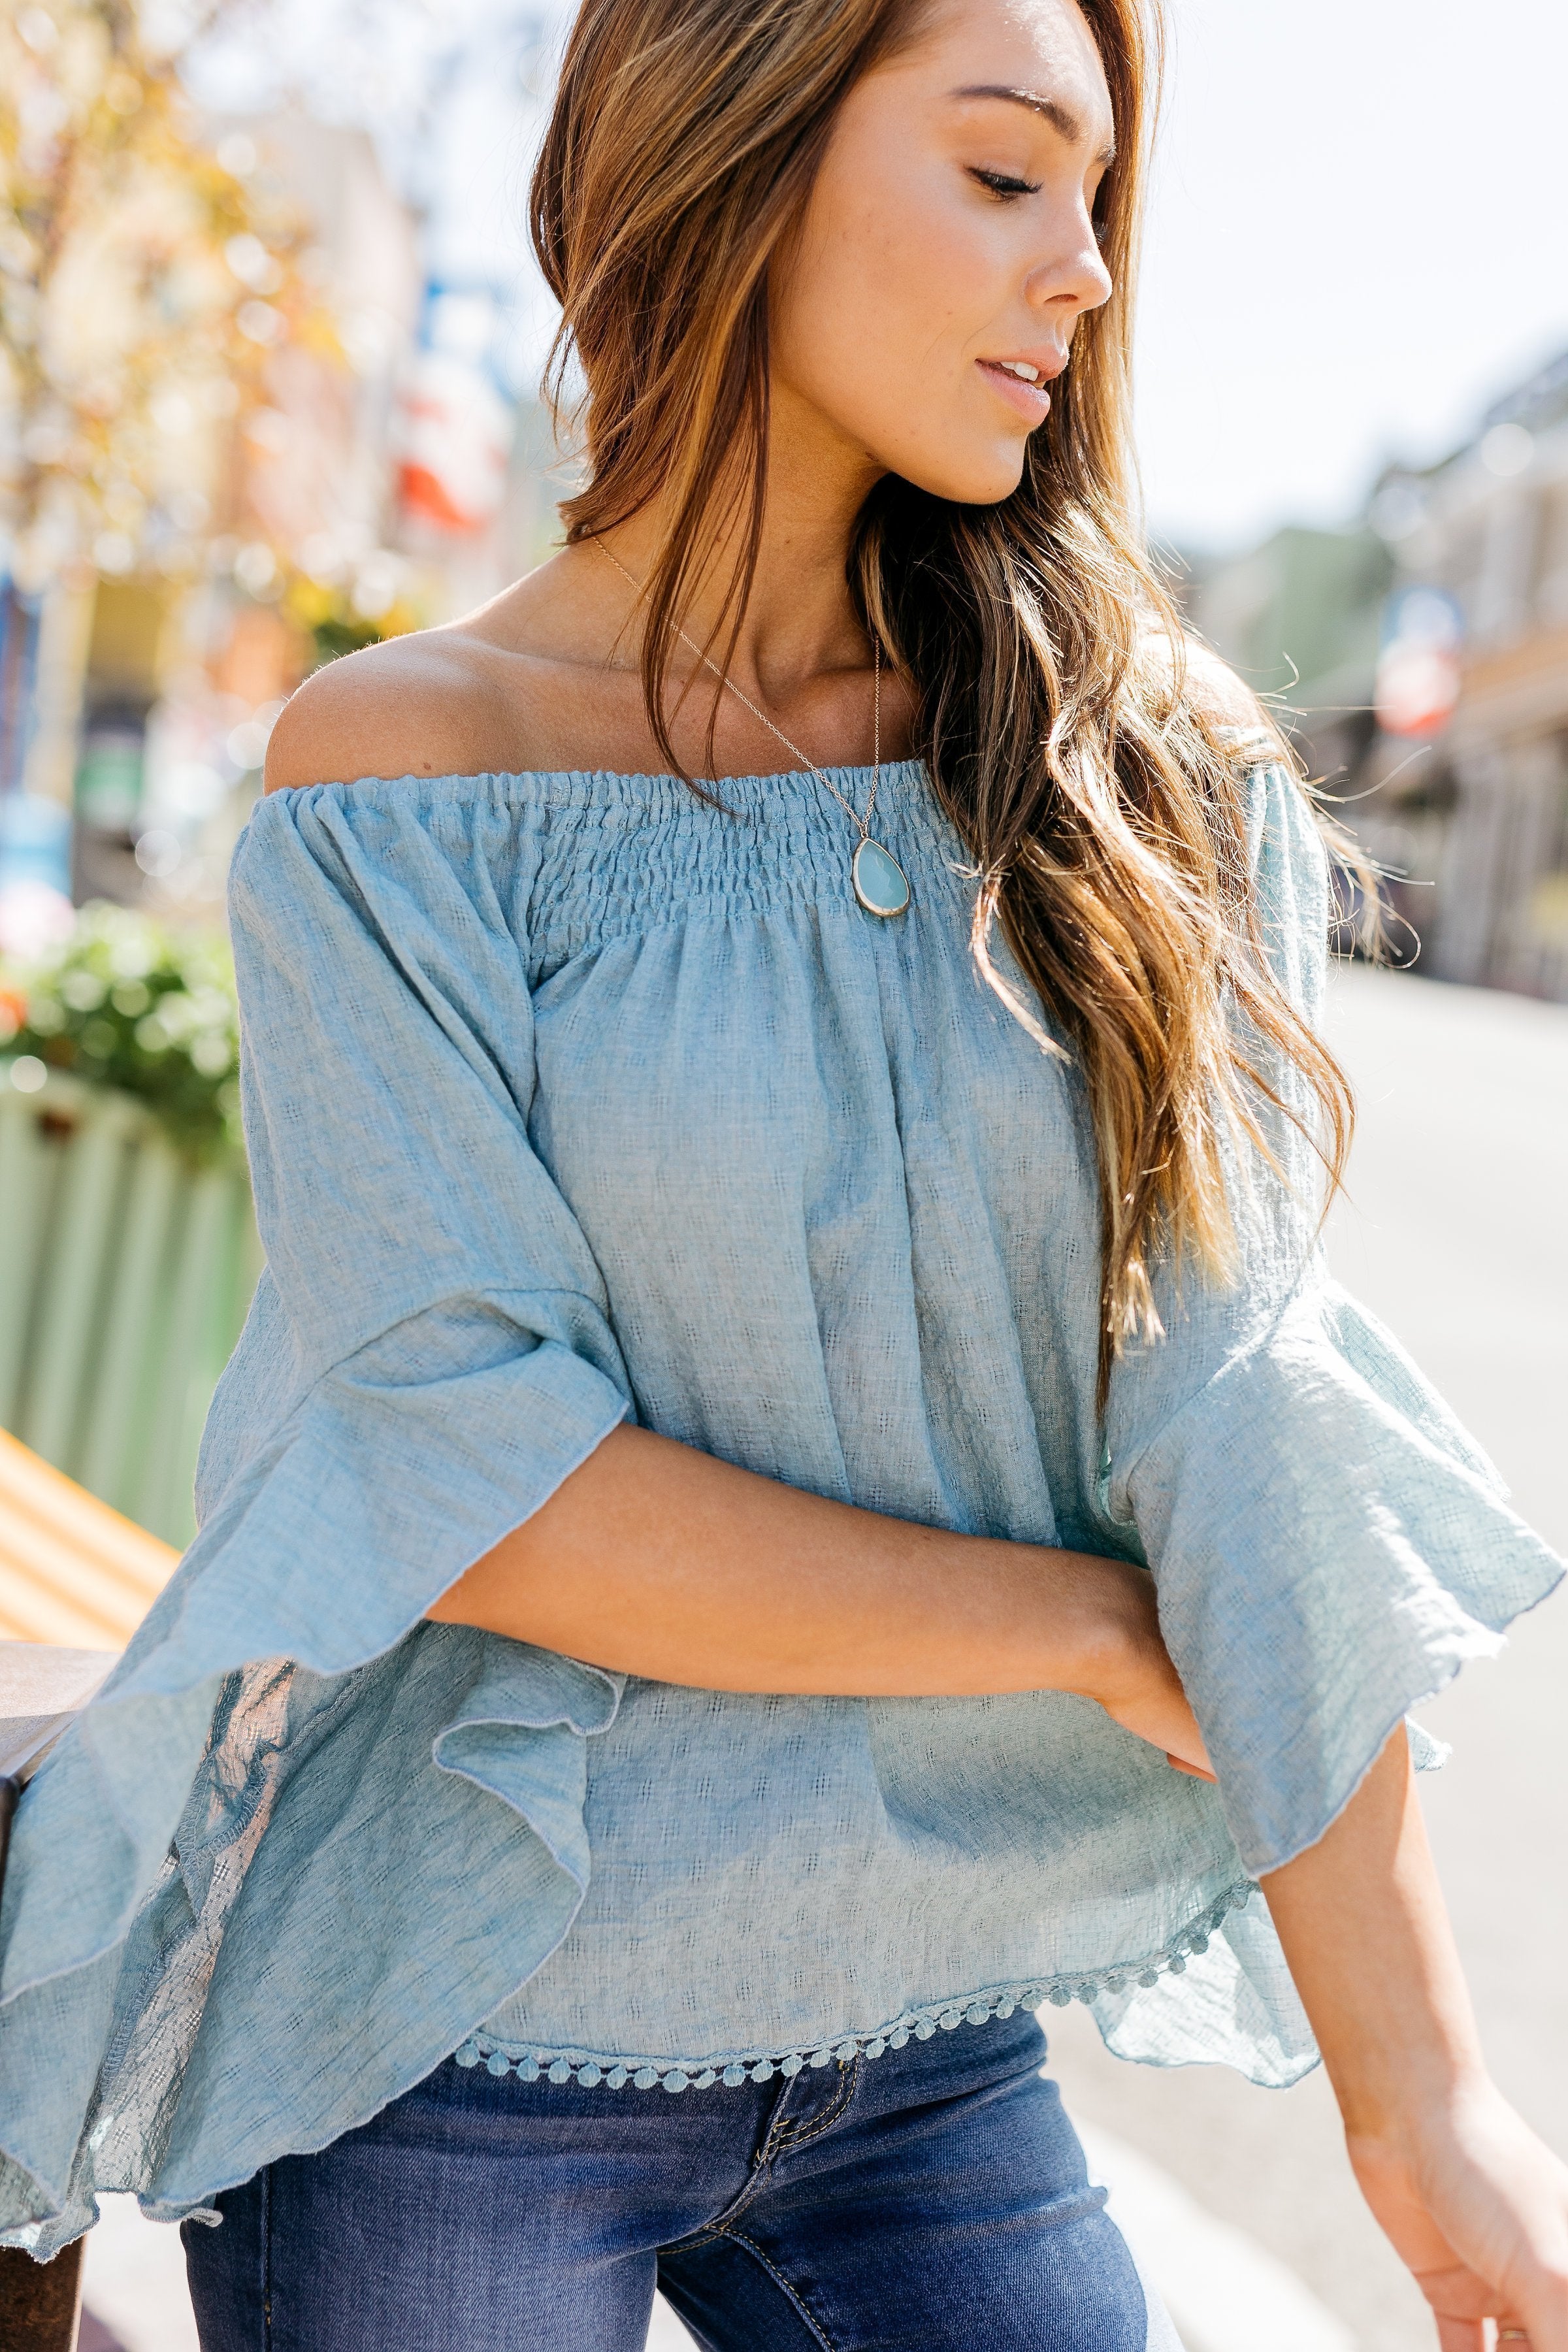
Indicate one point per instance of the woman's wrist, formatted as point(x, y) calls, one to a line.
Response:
point(1091, 1622)
point(1392, 2110)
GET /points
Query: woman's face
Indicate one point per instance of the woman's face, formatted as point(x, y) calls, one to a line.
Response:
point(948, 249)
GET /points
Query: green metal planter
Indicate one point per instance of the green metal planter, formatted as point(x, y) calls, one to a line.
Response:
point(125, 1275)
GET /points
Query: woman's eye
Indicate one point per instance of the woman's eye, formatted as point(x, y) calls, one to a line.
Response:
point(1005, 183)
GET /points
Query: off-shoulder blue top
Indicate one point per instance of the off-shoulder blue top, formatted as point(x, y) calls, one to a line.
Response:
point(569, 1098)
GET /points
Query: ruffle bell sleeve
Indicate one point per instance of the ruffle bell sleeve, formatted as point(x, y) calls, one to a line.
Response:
point(1329, 1545)
point(305, 1839)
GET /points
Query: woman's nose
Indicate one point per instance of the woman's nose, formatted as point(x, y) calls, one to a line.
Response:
point(1074, 281)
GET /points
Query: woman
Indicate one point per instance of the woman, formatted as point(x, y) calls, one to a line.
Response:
point(785, 1105)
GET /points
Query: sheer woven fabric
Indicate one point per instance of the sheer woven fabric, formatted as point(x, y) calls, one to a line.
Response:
point(569, 1098)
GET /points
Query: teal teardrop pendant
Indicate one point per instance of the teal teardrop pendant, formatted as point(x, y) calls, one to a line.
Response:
point(878, 879)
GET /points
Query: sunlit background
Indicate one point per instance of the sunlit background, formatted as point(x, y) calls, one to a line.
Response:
point(1360, 240)
point(269, 351)
point(1359, 237)
point(1354, 304)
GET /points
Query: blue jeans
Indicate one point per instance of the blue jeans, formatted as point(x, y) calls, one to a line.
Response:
point(934, 2200)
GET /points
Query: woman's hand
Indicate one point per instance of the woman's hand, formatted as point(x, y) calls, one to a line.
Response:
point(1477, 2208)
point(1136, 1683)
point(1472, 2201)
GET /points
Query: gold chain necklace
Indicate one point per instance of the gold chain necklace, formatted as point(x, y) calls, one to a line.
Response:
point(878, 881)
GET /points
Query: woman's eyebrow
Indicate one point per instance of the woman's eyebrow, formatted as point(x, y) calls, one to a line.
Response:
point(1060, 116)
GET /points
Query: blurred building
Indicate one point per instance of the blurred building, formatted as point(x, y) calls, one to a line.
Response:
point(297, 561)
point(285, 517)
point(387, 479)
point(1485, 533)
point(1422, 658)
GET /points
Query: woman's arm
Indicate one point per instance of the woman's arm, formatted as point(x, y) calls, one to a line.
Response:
point(661, 1560)
point(1474, 2203)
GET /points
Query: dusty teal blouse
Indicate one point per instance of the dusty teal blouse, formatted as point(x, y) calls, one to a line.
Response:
point(570, 1098)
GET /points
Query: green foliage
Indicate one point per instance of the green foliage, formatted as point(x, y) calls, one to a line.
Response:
point(129, 1002)
point(334, 626)
point(332, 637)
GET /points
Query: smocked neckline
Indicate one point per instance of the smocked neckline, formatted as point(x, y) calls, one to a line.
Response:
point(616, 776)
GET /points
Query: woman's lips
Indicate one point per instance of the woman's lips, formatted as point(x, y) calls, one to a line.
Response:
point(1032, 401)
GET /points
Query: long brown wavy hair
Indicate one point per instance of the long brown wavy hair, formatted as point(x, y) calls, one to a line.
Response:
point(1094, 783)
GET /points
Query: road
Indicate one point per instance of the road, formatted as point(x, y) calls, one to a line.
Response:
point(1456, 1233)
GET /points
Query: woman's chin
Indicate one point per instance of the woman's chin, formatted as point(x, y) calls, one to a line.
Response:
point(972, 477)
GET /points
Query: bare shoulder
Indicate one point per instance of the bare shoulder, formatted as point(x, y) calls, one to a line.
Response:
point(533, 679)
point(1220, 697)
point(423, 705)
point(1209, 684)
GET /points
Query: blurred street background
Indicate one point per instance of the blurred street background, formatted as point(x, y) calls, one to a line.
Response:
point(269, 355)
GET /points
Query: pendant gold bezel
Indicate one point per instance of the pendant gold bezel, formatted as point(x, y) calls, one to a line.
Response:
point(885, 914)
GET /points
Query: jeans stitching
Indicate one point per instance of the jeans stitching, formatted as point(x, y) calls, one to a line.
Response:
point(781, 2140)
point(783, 2286)
point(749, 2189)
point(798, 2137)
point(778, 2132)
point(721, 2221)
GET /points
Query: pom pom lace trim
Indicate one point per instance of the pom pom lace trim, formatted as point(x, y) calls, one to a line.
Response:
point(530, 2064)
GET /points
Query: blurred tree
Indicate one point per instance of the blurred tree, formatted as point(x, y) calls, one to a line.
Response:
point(143, 286)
